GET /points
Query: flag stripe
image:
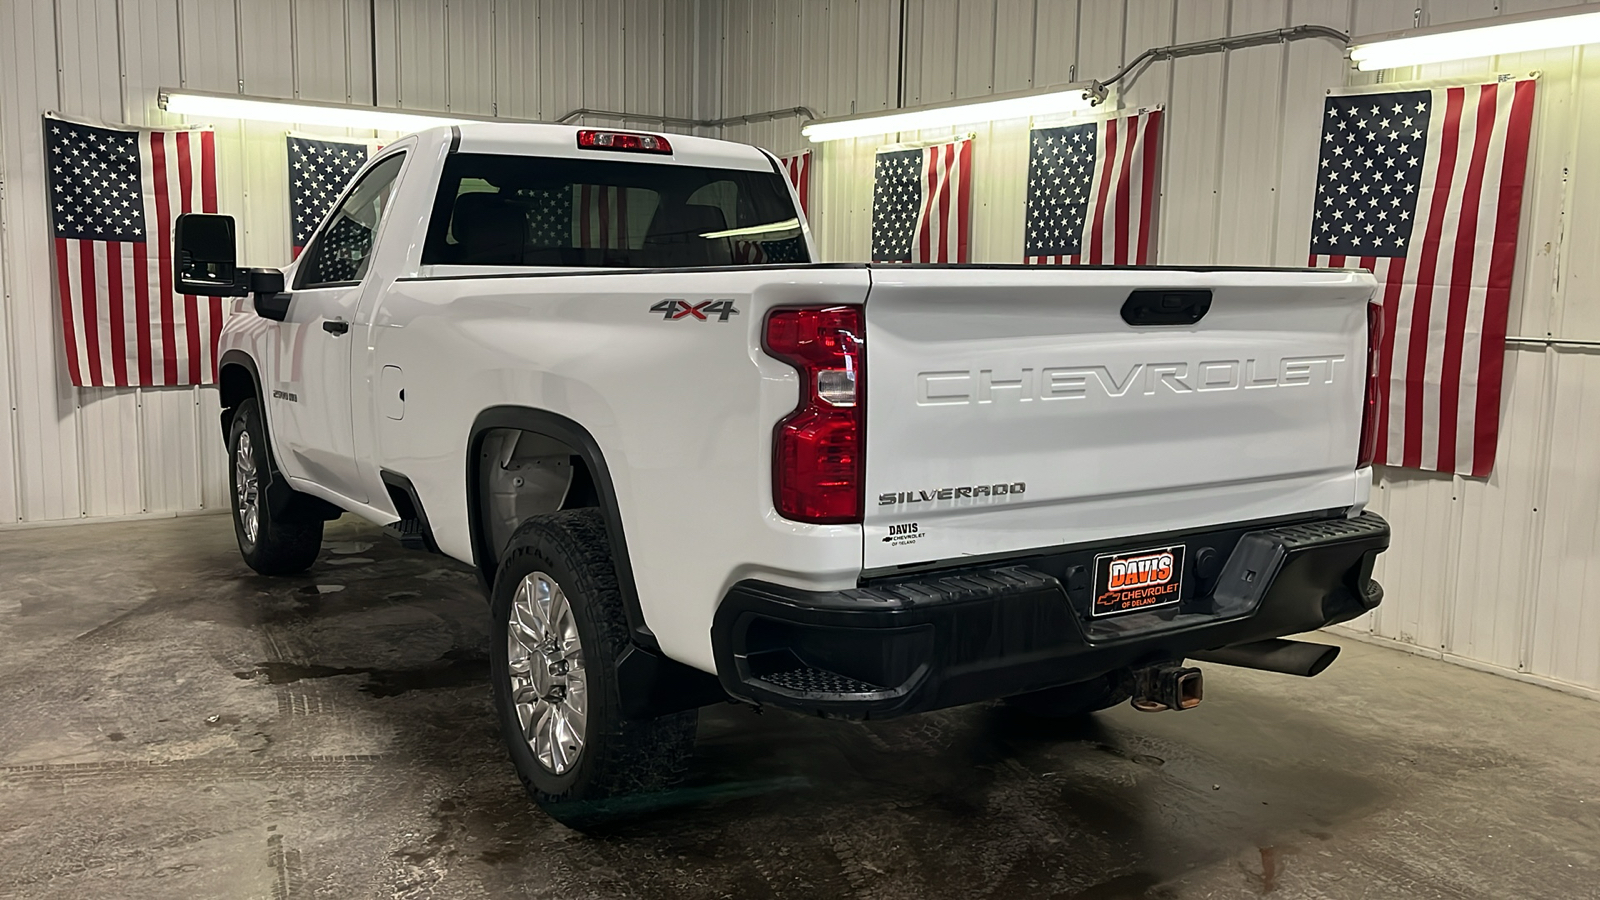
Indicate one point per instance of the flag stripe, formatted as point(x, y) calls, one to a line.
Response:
point(89, 313)
point(1124, 188)
point(941, 195)
point(141, 310)
point(1394, 286)
point(1487, 197)
point(1108, 154)
point(191, 323)
point(208, 203)
point(936, 208)
point(584, 239)
point(118, 317)
point(158, 169)
point(1147, 183)
point(68, 315)
point(798, 170)
point(1497, 302)
point(1461, 281)
point(1423, 412)
point(924, 246)
point(1422, 299)
point(964, 203)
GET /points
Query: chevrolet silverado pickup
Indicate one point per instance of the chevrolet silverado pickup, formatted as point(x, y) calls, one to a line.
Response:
point(692, 465)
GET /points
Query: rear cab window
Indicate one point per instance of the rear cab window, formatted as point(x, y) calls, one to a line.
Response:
point(503, 210)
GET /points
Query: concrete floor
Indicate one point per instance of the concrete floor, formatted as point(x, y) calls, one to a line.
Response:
point(172, 725)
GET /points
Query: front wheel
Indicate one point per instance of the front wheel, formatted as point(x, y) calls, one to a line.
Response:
point(559, 628)
point(271, 544)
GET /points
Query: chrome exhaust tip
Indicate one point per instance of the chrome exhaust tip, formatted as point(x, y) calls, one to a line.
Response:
point(1277, 655)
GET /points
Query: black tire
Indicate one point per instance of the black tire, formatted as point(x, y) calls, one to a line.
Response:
point(280, 545)
point(620, 758)
point(1072, 700)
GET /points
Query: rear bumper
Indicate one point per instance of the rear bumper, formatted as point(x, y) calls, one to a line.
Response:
point(907, 645)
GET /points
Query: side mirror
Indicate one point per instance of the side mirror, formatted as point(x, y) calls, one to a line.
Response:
point(204, 259)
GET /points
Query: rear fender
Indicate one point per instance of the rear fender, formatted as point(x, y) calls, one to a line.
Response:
point(651, 684)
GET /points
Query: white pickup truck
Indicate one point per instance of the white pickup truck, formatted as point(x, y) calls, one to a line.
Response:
point(692, 465)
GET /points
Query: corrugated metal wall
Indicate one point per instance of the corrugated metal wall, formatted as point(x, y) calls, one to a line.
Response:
point(1494, 573)
point(67, 453)
point(1502, 573)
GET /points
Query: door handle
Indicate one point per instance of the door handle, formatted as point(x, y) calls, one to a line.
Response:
point(335, 326)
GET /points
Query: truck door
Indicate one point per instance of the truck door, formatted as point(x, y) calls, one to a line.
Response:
point(311, 404)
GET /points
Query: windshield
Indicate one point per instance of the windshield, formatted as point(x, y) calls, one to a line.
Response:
point(498, 210)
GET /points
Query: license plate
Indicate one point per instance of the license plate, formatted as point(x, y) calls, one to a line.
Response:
point(1137, 580)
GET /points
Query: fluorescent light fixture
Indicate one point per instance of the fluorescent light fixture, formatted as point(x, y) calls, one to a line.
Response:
point(987, 109)
point(756, 230)
point(1482, 37)
point(236, 106)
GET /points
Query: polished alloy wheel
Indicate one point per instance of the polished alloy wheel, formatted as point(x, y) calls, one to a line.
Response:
point(547, 677)
point(247, 488)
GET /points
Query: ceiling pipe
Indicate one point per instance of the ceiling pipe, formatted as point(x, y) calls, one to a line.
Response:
point(1254, 39)
point(1096, 91)
point(804, 111)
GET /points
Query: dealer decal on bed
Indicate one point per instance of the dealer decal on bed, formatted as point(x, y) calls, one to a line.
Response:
point(1140, 579)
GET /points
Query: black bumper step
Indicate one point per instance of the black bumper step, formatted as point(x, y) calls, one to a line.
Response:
point(411, 533)
point(808, 681)
point(914, 644)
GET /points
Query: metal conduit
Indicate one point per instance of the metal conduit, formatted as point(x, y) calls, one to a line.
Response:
point(1556, 343)
point(1196, 48)
point(691, 123)
point(1098, 89)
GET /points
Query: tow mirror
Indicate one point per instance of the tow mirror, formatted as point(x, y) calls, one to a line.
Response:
point(205, 263)
point(204, 258)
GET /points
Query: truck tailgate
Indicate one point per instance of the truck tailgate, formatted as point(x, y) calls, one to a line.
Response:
point(1014, 408)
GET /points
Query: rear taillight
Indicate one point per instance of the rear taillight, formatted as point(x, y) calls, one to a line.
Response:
point(625, 141)
point(818, 450)
point(1369, 409)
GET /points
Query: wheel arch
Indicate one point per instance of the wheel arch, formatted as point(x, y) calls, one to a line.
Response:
point(651, 684)
point(586, 451)
point(238, 380)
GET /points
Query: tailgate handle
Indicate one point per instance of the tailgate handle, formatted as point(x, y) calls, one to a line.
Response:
point(1166, 307)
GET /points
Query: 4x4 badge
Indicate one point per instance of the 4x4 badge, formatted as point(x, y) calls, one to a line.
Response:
point(672, 310)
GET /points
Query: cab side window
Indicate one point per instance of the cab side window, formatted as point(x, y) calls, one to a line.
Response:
point(343, 249)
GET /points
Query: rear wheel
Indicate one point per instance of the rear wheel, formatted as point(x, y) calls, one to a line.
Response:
point(1071, 700)
point(271, 544)
point(559, 629)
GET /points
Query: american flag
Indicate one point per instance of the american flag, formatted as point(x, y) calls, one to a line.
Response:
point(114, 196)
point(757, 253)
point(922, 204)
point(587, 216)
point(1091, 192)
point(602, 217)
point(319, 171)
point(1424, 190)
point(798, 170)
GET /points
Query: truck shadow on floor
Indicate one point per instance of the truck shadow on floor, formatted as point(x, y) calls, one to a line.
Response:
point(977, 799)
